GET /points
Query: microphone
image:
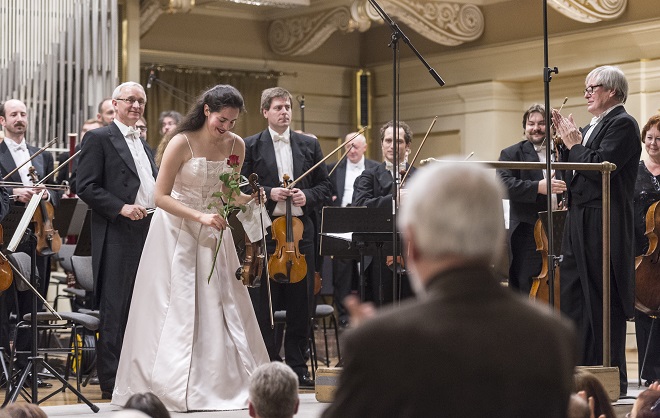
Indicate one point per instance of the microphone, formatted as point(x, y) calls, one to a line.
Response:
point(151, 78)
point(301, 100)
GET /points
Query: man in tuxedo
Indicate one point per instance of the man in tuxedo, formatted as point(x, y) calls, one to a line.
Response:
point(527, 193)
point(14, 151)
point(373, 189)
point(116, 178)
point(344, 271)
point(613, 135)
point(271, 154)
point(106, 111)
point(464, 327)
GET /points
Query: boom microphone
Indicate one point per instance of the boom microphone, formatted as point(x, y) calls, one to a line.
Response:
point(151, 78)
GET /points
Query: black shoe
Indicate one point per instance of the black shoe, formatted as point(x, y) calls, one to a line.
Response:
point(40, 383)
point(305, 381)
point(106, 395)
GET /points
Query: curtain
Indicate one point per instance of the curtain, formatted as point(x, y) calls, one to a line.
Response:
point(178, 89)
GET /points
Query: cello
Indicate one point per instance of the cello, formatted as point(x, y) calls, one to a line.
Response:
point(647, 272)
point(287, 264)
point(540, 284)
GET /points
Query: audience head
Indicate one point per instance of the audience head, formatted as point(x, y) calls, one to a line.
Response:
point(129, 413)
point(23, 410)
point(149, 404)
point(534, 124)
point(106, 111)
point(647, 404)
point(405, 136)
point(142, 126)
point(356, 148)
point(168, 120)
point(273, 391)
point(462, 203)
point(578, 407)
point(209, 103)
point(587, 382)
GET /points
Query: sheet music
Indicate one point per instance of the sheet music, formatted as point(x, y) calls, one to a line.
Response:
point(25, 220)
point(346, 236)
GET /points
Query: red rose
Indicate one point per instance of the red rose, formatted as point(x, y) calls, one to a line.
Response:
point(233, 160)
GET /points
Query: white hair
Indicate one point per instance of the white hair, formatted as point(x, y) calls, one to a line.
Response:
point(455, 209)
point(274, 390)
point(122, 86)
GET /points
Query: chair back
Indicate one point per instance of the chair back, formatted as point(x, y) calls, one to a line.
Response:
point(64, 257)
point(82, 268)
point(23, 262)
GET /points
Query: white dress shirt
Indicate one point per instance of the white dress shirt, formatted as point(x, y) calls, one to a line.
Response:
point(353, 171)
point(20, 154)
point(145, 194)
point(284, 157)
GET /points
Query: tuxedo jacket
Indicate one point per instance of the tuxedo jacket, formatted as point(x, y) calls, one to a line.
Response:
point(373, 188)
point(306, 152)
point(615, 139)
point(522, 185)
point(422, 359)
point(338, 178)
point(107, 179)
point(43, 163)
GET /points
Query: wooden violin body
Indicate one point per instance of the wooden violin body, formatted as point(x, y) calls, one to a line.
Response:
point(6, 275)
point(540, 284)
point(255, 252)
point(287, 264)
point(48, 238)
point(647, 267)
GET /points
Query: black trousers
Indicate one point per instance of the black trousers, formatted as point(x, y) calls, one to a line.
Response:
point(344, 273)
point(643, 326)
point(124, 241)
point(582, 291)
point(526, 262)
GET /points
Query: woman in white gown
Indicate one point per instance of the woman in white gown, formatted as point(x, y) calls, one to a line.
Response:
point(192, 343)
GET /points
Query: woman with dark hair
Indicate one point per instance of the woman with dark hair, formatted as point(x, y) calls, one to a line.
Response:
point(647, 191)
point(192, 337)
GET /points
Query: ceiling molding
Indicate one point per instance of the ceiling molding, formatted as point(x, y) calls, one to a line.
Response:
point(590, 11)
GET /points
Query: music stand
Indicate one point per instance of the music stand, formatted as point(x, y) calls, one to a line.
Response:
point(35, 362)
point(84, 242)
point(357, 232)
point(69, 216)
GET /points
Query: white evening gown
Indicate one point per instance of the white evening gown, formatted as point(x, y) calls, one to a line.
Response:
point(193, 344)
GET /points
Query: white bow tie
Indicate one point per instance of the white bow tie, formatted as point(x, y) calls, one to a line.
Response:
point(133, 133)
point(389, 166)
point(595, 120)
point(18, 147)
point(280, 138)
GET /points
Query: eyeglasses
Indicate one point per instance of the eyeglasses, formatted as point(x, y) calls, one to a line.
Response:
point(590, 89)
point(142, 128)
point(130, 101)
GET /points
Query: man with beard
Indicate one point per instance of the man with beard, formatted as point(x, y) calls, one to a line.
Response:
point(527, 190)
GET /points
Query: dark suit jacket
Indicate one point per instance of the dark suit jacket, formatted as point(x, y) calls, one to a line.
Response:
point(615, 139)
point(43, 163)
point(107, 180)
point(306, 151)
point(373, 188)
point(338, 177)
point(522, 185)
point(424, 358)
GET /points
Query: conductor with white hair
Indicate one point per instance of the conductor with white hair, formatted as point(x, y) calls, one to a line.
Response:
point(273, 391)
point(465, 334)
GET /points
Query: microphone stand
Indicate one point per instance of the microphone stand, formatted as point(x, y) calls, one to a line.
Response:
point(553, 260)
point(397, 34)
point(301, 101)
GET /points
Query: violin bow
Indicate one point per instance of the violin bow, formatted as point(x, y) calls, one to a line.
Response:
point(31, 158)
point(59, 167)
point(405, 176)
point(341, 159)
point(293, 183)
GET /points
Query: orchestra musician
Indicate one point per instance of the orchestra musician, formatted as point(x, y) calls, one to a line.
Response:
point(527, 193)
point(647, 191)
point(63, 174)
point(612, 135)
point(271, 154)
point(345, 271)
point(116, 177)
point(14, 151)
point(373, 189)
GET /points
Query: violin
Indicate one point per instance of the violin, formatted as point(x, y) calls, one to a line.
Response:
point(647, 271)
point(540, 284)
point(250, 272)
point(6, 275)
point(48, 238)
point(287, 264)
